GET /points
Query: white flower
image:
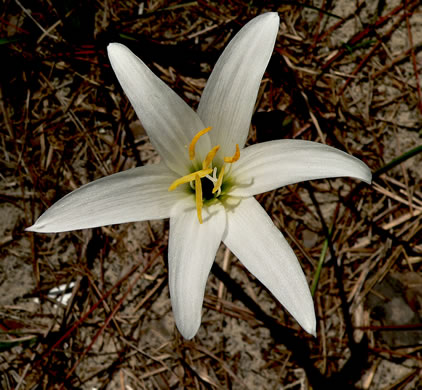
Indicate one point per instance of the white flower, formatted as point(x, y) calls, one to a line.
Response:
point(206, 181)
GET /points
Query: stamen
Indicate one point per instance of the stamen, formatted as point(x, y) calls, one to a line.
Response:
point(195, 140)
point(217, 185)
point(234, 158)
point(198, 197)
point(188, 178)
point(210, 156)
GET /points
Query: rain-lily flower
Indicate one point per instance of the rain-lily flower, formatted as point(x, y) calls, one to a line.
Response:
point(207, 179)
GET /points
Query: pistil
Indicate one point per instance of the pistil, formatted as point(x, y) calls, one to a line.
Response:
point(217, 185)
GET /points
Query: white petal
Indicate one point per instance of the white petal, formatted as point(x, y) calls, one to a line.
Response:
point(169, 121)
point(269, 165)
point(259, 245)
point(192, 249)
point(230, 94)
point(137, 194)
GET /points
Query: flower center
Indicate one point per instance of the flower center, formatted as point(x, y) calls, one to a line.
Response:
point(210, 187)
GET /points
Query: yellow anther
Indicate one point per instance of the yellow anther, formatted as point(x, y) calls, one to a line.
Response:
point(234, 158)
point(210, 156)
point(189, 178)
point(217, 184)
point(195, 140)
point(198, 197)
